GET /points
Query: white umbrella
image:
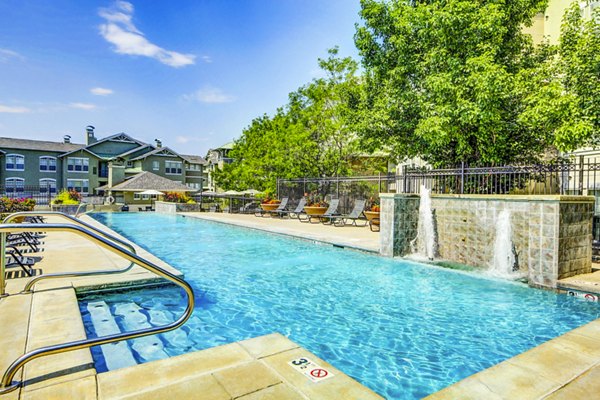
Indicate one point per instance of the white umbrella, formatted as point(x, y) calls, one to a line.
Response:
point(152, 192)
point(232, 192)
point(251, 191)
point(208, 193)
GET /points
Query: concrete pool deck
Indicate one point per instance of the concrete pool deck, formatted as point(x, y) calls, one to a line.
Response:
point(358, 238)
point(257, 368)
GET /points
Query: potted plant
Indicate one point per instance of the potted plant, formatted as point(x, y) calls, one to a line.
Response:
point(269, 203)
point(372, 211)
point(315, 204)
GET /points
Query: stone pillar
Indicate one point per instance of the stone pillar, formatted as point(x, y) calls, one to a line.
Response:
point(399, 218)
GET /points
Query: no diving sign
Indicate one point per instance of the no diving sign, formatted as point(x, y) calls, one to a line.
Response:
point(313, 371)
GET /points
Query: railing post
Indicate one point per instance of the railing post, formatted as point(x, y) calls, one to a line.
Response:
point(462, 177)
point(2, 264)
point(404, 178)
point(580, 175)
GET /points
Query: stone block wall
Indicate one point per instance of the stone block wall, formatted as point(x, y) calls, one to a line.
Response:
point(551, 234)
point(399, 217)
point(164, 207)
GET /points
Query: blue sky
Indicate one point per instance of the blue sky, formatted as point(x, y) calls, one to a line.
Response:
point(193, 73)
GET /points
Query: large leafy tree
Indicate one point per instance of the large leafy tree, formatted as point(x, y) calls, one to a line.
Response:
point(563, 92)
point(310, 136)
point(443, 79)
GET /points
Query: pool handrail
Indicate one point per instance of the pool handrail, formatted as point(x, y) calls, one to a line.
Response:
point(6, 383)
point(28, 287)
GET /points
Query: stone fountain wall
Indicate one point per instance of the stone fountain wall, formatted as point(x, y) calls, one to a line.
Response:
point(552, 234)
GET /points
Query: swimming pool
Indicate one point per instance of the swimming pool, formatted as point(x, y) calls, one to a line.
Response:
point(401, 328)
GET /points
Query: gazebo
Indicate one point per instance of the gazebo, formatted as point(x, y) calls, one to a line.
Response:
point(131, 189)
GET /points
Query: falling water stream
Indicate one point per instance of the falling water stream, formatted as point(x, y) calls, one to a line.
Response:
point(424, 243)
point(504, 257)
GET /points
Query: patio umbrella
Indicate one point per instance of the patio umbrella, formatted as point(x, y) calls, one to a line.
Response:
point(208, 193)
point(251, 191)
point(152, 192)
point(232, 192)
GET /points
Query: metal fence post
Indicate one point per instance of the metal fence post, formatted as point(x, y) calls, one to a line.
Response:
point(580, 175)
point(404, 178)
point(462, 178)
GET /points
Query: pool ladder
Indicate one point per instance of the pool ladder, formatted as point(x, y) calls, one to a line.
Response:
point(103, 239)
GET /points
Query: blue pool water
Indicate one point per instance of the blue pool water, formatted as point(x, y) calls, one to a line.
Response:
point(401, 328)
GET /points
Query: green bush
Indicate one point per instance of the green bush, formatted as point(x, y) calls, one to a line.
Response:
point(67, 197)
point(10, 205)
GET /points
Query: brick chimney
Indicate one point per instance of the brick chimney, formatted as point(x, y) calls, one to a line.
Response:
point(90, 138)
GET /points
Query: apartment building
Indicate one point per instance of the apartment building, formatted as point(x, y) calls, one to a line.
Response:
point(36, 167)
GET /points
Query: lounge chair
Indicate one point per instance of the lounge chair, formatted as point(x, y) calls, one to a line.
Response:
point(295, 212)
point(282, 206)
point(374, 225)
point(15, 258)
point(249, 208)
point(355, 215)
point(23, 240)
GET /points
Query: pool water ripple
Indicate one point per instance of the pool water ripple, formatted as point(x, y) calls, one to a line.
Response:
point(401, 328)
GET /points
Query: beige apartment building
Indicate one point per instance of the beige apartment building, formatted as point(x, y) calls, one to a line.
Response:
point(546, 25)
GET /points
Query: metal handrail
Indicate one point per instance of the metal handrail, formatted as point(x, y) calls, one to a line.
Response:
point(7, 384)
point(29, 285)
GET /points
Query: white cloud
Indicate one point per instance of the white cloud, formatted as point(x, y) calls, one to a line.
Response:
point(209, 95)
point(207, 59)
point(82, 106)
point(121, 32)
point(14, 110)
point(98, 91)
point(6, 55)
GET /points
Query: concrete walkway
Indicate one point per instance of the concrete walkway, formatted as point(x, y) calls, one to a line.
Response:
point(360, 238)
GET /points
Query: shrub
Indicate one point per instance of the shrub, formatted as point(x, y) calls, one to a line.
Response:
point(10, 205)
point(176, 197)
point(67, 197)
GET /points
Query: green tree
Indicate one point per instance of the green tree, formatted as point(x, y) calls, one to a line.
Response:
point(443, 79)
point(563, 93)
point(310, 136)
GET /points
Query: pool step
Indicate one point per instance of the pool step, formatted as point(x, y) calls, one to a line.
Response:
point(116, 355)
point(148, 348)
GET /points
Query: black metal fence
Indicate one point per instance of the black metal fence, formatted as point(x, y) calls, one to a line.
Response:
point(575, 176)
point(41, 194)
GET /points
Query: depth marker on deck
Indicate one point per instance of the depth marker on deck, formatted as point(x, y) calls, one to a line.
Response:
point(310, 369)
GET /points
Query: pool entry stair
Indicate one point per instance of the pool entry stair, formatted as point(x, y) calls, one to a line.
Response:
point(106, 241)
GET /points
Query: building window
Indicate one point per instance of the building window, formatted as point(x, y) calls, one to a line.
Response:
point(78, 164)
point(47, 164)
point(155, 165)
point(47, 185)
point(129, 164)
point(193, 185)
point(15, 162)
point(80, 185)
point(173, 167)
point(15, 186)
